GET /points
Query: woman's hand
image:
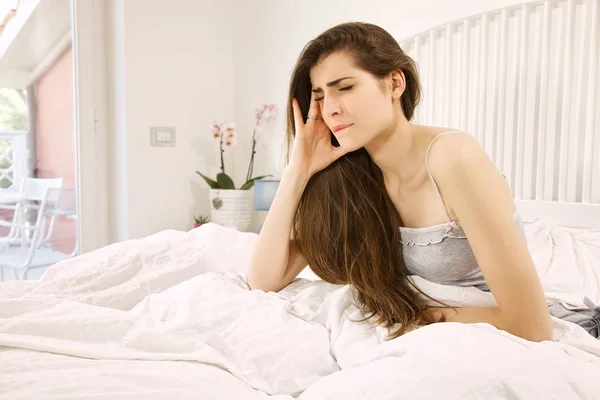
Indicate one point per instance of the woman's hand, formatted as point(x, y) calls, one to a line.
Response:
point(312, 150)
point(436, 314)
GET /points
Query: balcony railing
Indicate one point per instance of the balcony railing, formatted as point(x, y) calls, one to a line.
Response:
point(13, 157)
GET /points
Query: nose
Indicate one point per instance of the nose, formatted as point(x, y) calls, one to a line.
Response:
point(331, 107)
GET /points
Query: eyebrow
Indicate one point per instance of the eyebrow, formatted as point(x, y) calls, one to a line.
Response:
point(332, 83)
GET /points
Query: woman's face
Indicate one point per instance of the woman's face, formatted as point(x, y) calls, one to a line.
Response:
point(355, 105)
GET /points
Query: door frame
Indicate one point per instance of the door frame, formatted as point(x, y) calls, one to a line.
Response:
point(88, 18)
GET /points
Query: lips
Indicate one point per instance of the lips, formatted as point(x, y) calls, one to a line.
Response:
point(340, 127)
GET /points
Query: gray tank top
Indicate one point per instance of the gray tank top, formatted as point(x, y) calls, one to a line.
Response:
point(442, 253)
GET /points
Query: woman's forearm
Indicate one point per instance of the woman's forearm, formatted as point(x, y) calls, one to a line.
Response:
point(271, 253)
point(493, 316)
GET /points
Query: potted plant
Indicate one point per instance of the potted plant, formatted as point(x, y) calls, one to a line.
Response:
point(231, 206)
point(201, 220)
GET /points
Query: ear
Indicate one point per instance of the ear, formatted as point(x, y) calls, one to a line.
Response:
point(398, 83)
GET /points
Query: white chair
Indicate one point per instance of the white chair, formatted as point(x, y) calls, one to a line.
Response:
point(30, 190)
point(11, 199)
point(34, 253)
point(66, 206)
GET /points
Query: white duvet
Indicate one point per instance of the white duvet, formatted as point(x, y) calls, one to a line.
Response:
point(170, 316)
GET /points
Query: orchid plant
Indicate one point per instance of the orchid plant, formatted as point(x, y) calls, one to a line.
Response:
point(225, 132)
point(262, 115)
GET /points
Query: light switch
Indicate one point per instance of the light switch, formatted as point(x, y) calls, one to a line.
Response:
point(162, 136)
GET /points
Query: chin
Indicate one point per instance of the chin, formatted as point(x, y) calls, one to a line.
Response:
point(351, 140)
point(349, 145)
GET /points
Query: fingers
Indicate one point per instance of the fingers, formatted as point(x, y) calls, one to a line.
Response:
point(314, 110)
point(298, 121)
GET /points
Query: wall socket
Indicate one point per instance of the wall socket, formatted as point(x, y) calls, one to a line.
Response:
point(162, 136)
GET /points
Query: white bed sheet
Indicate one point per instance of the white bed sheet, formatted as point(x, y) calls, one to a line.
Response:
point(27, 374)
point(177, 302)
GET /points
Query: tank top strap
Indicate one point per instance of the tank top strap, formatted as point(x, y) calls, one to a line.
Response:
point(435, 186)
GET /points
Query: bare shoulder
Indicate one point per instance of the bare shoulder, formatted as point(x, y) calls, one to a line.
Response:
point(463, 170)
point(457, 149)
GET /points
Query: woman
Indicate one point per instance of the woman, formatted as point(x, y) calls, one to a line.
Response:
point(368, 197)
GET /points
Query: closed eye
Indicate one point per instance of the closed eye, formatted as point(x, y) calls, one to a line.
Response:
point(341, 89)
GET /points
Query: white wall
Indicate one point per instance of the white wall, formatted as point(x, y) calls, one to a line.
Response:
point(183, 63)
point(170, 64)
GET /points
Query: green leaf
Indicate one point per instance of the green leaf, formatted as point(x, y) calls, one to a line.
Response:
point(210, 182)
point(248, 185)
point(225, 182)
point(202, 219)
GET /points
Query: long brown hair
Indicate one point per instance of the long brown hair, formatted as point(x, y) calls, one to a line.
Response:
point(346, 225)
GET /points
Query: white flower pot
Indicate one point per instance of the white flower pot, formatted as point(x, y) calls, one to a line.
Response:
point(232, 208)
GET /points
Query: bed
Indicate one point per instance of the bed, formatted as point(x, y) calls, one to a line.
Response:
point(171, 316)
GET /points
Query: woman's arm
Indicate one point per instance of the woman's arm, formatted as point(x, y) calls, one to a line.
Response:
point(466, 315)
point(276, 260)
point(482, 201)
